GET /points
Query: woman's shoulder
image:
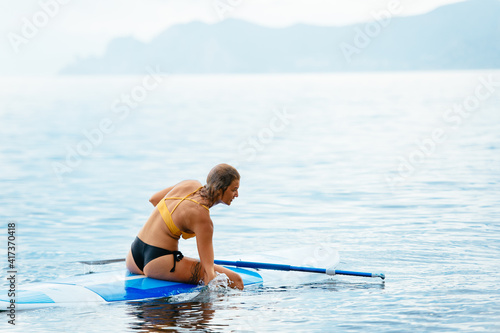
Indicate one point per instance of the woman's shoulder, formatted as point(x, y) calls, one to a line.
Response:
point(188, 184)
point(184, 187)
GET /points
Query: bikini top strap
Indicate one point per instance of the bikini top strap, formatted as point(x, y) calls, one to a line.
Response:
point(186, 197)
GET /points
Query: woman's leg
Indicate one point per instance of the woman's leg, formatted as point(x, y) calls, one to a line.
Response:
point(188, 270)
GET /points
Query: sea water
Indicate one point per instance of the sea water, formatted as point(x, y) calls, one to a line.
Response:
point(400, 171)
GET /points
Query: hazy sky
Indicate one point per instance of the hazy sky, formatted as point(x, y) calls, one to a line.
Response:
point(67, 29)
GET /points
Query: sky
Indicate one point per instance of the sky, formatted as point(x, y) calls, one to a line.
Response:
point(39, 37)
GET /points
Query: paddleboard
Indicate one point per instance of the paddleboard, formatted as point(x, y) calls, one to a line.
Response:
point(121, 285)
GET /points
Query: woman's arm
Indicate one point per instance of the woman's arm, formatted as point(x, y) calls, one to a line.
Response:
point(204, 230)
point(160, 195)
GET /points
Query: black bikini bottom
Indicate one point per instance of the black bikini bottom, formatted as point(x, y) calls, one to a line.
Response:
point(143, 253)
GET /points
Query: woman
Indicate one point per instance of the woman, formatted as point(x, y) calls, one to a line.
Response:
point(183, 209)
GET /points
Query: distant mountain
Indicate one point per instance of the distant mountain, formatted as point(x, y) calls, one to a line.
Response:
point(458, 36)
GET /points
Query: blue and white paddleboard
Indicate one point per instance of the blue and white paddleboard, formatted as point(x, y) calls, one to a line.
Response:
point(104, 287)
point(121, 285)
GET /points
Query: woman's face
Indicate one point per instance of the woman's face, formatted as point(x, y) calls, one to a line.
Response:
point(231, 192)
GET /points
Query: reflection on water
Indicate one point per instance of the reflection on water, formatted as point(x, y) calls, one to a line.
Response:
point(162, 314)
point(159, 315)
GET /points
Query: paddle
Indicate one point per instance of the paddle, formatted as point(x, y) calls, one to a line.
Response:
point(279, 267)
point(101, 262)
point(261, 265)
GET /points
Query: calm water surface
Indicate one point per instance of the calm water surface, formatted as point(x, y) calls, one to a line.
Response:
point(384, 166)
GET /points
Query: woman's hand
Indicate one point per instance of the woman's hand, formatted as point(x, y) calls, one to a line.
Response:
point(209, 276)
point(155, 198)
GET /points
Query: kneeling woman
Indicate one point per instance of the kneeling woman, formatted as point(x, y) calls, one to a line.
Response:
point(183, 209)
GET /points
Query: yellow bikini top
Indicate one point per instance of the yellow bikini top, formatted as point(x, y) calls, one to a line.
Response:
point(167, 216)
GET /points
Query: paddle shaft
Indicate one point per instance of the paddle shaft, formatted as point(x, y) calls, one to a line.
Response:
point(279, 267)
point(262, 265)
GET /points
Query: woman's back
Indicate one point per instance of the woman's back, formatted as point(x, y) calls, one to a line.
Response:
point(182, 211)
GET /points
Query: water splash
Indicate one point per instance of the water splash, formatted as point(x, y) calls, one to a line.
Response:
point(219, 283)
point(219, 286)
